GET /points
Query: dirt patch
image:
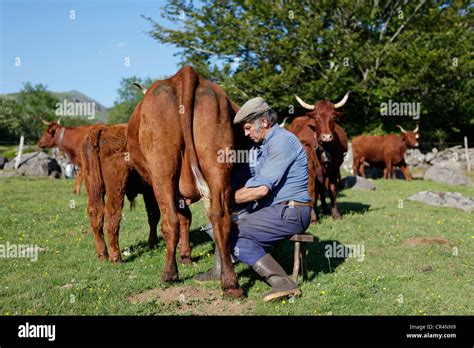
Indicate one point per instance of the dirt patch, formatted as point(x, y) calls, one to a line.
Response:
point(194, 301)
point(426, 241)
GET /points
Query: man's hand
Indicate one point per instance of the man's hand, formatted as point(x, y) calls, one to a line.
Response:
point(250, 194)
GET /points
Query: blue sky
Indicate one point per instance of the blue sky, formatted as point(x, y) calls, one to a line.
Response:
point(86, 53)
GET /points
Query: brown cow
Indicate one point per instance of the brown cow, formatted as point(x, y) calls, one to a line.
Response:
point(384, 149)
point(107, 172)
point(330, 146)
point(69, 140)
point(304, 128)
point(174, 142)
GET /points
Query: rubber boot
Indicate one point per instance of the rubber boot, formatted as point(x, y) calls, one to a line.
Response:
point(214, 274)
point(275, 275)
point(210, 232)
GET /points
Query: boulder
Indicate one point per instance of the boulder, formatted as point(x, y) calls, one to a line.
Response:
point(447, 176)
point(36, 164)
point(357, 183)
point(348, 159)
point(444, 199)
point(3, 161)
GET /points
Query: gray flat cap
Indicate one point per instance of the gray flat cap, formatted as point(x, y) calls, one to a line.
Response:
point(251, 109)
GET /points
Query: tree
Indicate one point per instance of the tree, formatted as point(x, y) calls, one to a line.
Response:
point(405, 51)
point(129, 97)
point(21, 114)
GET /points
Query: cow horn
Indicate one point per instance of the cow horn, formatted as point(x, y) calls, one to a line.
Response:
point(303, 104)
point(342, 102)
point(416, 129)
point(143, 89)
point(401, 128)
point(59, 121)
point(46, 122)
point(282, 125)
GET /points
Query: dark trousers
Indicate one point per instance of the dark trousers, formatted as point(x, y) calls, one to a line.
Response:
point(259, 230)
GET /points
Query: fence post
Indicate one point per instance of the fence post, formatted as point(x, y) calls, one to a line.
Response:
point(468, 161)
point(20, 151)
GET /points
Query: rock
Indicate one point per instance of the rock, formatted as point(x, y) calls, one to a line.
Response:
point(8, 173)
point(414, 157)
point(444, 199)
point(447, 176)
point(348, 159)
point(36, 164)
point(430, 156)
point(455, 165)
point(357, 183)
point(10, 165)
point(3, 161)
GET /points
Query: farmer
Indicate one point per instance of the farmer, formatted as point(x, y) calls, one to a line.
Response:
point(279, 185)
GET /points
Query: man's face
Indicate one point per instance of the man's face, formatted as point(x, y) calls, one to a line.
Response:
point(257, 134)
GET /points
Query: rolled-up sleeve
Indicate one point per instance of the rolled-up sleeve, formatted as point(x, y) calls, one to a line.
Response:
point(280, 156)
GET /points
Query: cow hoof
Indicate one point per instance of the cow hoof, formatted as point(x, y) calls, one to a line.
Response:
point(336, 216)
point(234, 293)
point(103, 257)
point(116, 259)
point(169, 277)
point(186, 260)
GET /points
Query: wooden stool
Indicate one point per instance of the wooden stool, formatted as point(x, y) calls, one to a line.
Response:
point(300, 253)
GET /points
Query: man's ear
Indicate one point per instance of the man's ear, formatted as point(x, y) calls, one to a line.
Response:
point(265, 123)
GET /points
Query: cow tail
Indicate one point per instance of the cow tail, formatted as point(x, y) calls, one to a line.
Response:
point(92, 164)
point(186, 108)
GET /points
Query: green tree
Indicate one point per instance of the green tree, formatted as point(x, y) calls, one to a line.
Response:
point(129, 97)
point(10, 125)
point(406, 51)
point(21, 114)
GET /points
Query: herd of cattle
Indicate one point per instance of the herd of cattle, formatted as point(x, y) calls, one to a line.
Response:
point(167, 153)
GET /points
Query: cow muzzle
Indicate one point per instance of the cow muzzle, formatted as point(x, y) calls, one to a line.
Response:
point(327, 137)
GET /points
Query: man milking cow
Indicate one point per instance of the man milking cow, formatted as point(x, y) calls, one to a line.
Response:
point(277, 192)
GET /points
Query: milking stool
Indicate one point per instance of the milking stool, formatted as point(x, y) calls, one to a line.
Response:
point(299, 256)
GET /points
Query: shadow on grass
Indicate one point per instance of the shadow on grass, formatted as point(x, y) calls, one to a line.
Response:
point(352, 207)
point(316, 256)
point(139, 249)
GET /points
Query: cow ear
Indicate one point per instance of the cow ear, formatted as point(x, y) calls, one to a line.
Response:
point(337, 114)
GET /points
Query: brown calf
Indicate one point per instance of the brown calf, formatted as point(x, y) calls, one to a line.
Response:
point(304, 128)
point(107, 172)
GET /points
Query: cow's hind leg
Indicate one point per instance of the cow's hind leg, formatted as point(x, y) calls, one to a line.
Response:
point(184, 216)
point(95, 210)
point(153, 213)
point(165, 196)
point(113, 215)
point(405, 171)
point(219, 214)
point(388, 169)
point(77, 182)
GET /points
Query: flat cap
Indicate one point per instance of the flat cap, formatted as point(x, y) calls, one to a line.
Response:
point(251, 109)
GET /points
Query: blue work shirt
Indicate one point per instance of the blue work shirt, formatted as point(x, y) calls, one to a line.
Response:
point(282, 166)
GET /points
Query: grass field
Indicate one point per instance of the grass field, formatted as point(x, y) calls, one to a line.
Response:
point(394, 278)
